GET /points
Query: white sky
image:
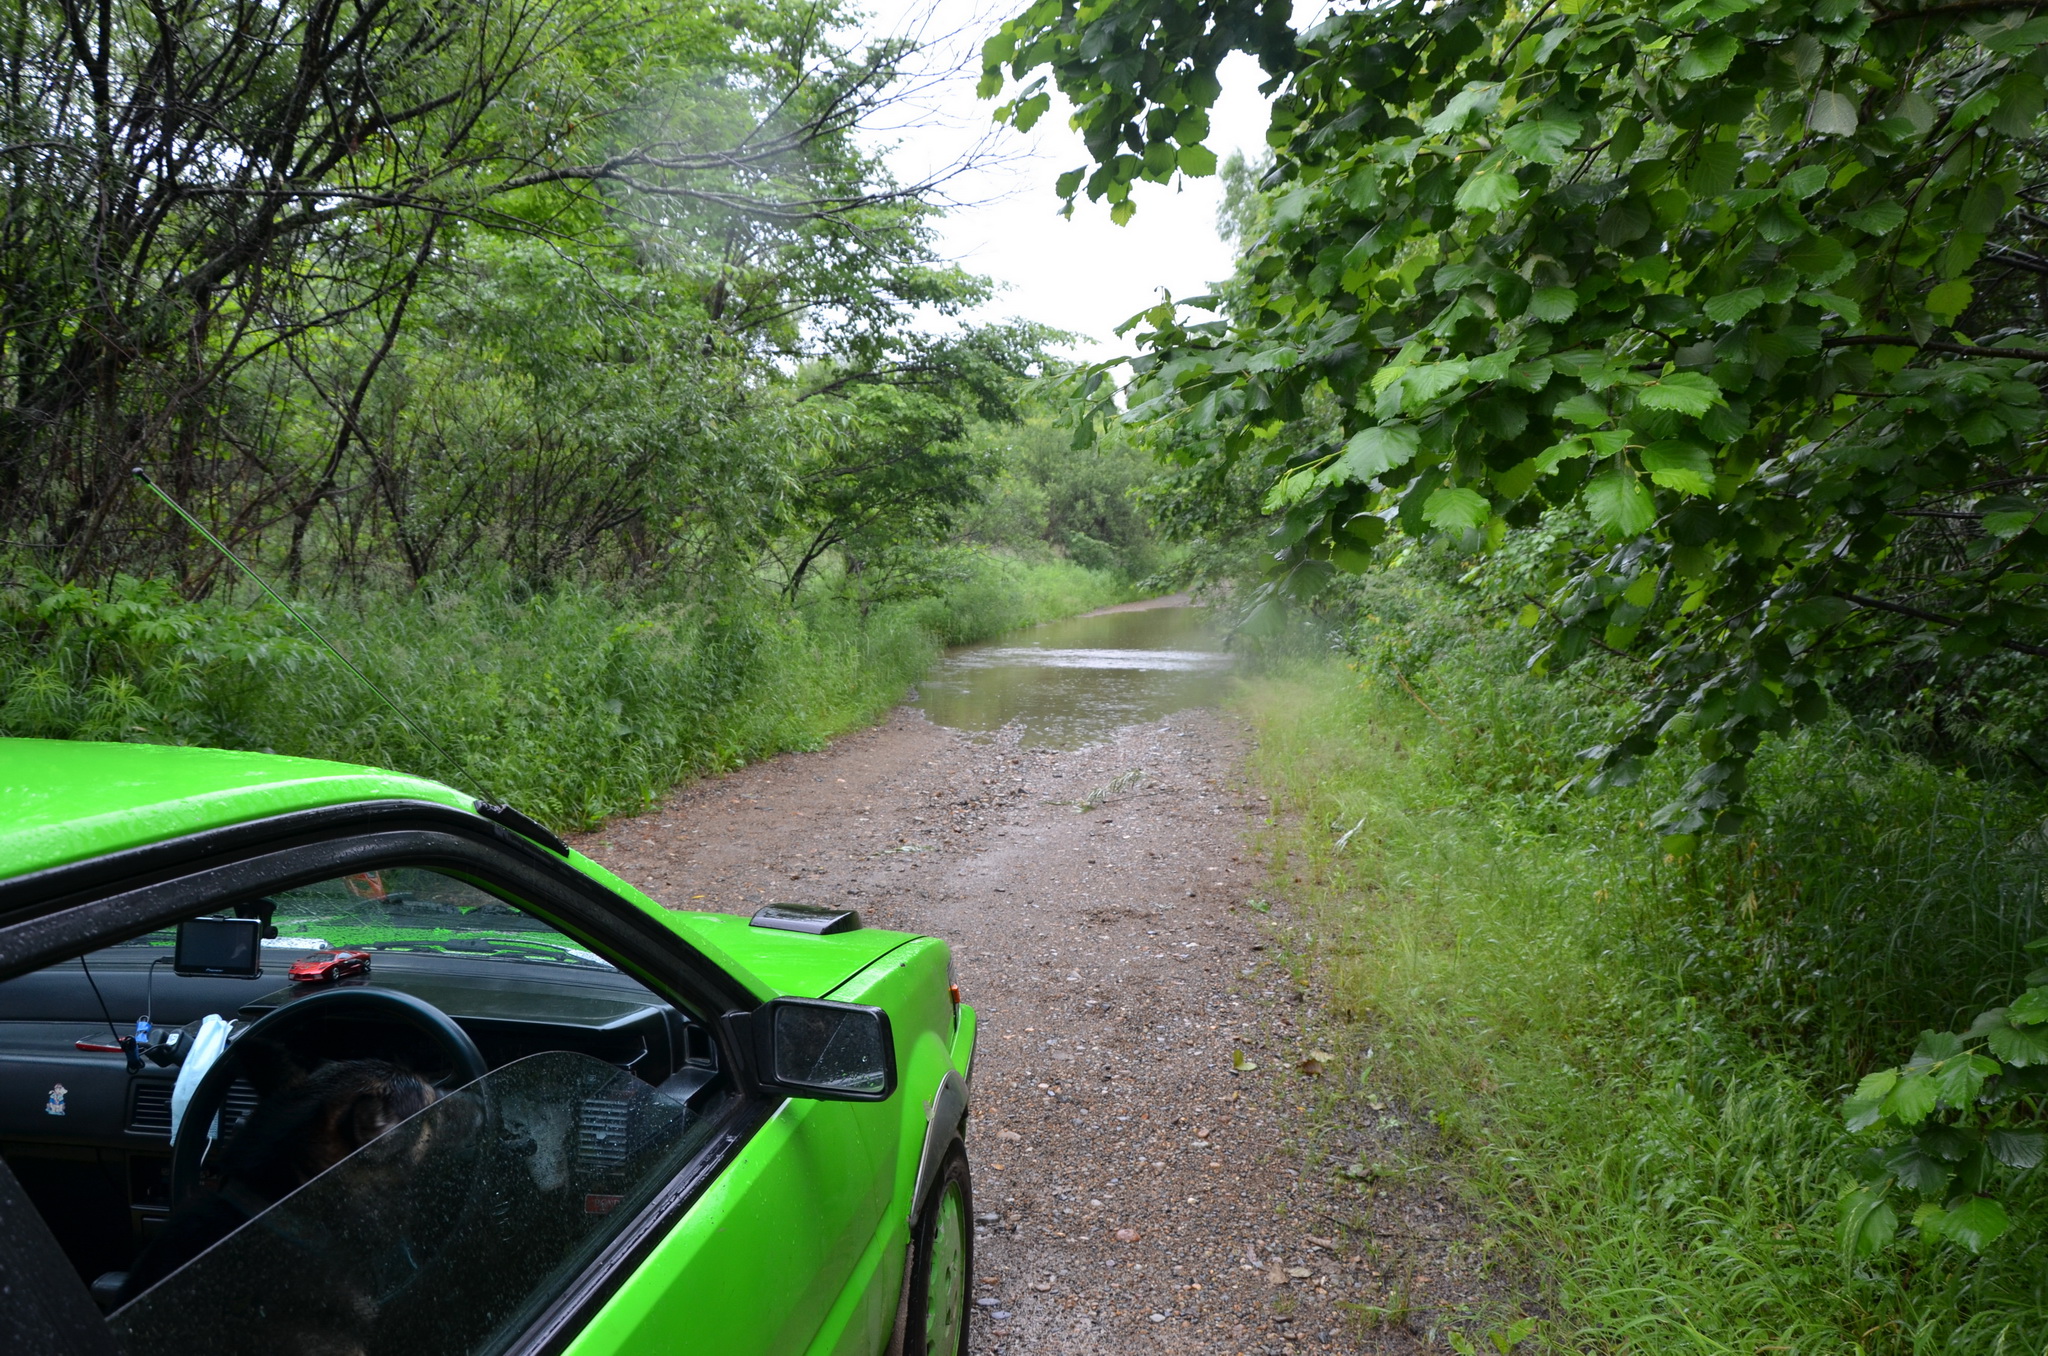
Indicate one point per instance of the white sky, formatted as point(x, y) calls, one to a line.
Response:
point(1086, 275)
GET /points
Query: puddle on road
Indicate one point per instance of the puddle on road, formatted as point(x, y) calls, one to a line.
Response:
point(1071, 683)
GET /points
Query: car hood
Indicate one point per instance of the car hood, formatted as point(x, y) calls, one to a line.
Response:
point(787, 964)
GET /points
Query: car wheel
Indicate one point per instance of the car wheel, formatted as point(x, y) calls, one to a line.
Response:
point(941, 1265)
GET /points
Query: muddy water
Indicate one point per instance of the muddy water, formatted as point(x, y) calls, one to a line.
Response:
point(1067, 684)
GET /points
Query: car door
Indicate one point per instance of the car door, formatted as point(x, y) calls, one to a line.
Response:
point(759, 1262)
point(741, 1245)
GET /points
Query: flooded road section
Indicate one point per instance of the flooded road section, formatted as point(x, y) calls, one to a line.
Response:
point(1070, 683)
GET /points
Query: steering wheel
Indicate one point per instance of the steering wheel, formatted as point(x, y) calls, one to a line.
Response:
point(457, 1050)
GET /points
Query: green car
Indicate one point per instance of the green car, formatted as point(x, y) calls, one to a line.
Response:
point(305, 1059)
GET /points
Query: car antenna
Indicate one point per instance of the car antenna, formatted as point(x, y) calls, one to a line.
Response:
point(496, 811)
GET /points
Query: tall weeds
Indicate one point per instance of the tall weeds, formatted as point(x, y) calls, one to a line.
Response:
point(575, 704)
point(1635, 1059)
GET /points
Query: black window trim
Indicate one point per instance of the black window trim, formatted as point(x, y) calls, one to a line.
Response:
point(51, 915)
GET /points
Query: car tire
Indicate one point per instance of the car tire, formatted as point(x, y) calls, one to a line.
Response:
point(942, 1264)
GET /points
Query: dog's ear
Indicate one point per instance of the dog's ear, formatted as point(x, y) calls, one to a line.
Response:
point(269, 1067)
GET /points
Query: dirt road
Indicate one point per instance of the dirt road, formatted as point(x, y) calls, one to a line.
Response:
point(1135, 1191)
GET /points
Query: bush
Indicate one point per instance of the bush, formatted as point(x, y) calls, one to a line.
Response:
point(1636, 1058)
point(574, 704)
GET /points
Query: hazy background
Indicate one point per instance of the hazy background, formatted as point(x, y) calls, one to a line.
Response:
point(1085, 275)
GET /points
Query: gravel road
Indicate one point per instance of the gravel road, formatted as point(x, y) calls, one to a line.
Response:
point(1135, 1191)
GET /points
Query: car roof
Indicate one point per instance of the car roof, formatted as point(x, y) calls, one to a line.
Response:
point(68, 800)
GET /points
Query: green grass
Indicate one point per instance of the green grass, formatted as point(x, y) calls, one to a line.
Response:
point(574, 704)
point(1634, 1061)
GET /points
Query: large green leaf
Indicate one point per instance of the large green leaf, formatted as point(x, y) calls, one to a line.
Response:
point(1375, 451)
point(1619, 503)
point(1553, 303)
point(1684, 392)
point(1708, 56)
point(1680, 466)
point(1910, 1102)
point(1732, 306)
point(1489, 191)
point(1976, 1222)
point(1868, 1222)
point(1545, 141)
point(1454, 507)
point(1832, 114)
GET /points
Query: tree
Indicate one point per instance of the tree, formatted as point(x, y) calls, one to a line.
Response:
point(1754, 284)
point(220, 220)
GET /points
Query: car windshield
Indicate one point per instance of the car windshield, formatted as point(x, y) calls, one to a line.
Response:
point(447, 1235)
point(409, 909)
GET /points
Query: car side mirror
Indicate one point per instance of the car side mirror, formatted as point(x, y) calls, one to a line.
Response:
point(830, 1052)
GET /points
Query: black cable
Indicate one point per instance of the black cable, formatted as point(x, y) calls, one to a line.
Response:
point(105, 1011)
point(149, 992)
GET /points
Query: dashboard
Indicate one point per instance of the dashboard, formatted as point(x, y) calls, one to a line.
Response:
point(90, 1142)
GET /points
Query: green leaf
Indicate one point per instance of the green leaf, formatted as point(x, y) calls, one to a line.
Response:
point(1375, 451)
point(1289, 490)
point(1976, 1223)
point(1868, 1223)
point(1454, 508)
point(1912, 1100)
point(1553, 304)
point(1197, 161)
point(1424, 382)
point(1860, 1113)
point(1544, 141)
point(1475, 100)
point(1946, 301)
point(1583, 409)
point(2031, 1007)
point(2014, 41)
point(1822, 258)
point(1680, 466)
point(2017, 1148)
point(1832, 114)
point(1489, 191)
point(1730, 307)
point(1714, 167)
point(1918, 1170)
point(1619, 503)
point(1708, 56)
point(1685, 392)
point(1879, 218)
point(2018, 1046)
point(1804, 182)
point(1960, 1079)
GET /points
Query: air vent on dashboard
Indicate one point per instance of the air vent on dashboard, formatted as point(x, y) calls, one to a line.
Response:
point(241, 1100)
point(150, 1112)
point(601, 1133)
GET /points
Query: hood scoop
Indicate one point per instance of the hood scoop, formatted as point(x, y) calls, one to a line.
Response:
point(810, 918)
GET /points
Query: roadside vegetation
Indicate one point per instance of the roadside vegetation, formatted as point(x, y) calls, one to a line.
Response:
point(575, 703)
point(1634, 1061)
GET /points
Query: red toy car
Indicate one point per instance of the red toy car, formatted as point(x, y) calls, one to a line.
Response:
point(330, 965)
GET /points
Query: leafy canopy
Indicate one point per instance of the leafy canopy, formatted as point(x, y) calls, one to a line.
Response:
point(1749, 286)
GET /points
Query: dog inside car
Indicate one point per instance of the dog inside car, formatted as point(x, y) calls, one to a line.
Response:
point(306, 1120)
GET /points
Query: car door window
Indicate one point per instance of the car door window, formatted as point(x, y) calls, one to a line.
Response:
point(443, 1214)
point(446, 1235)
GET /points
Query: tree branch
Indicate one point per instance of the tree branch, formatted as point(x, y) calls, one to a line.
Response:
point(1921, 614)
point(1934, 345)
